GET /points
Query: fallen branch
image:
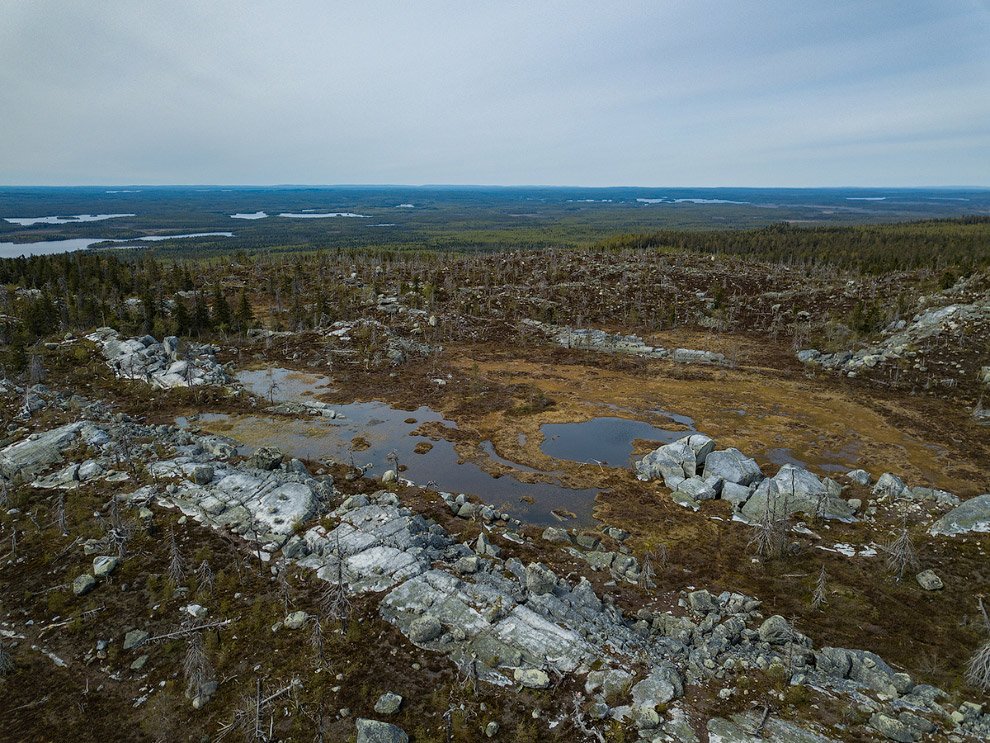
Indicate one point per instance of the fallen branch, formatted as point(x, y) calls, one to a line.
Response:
point(97, 610)
point(189, 630)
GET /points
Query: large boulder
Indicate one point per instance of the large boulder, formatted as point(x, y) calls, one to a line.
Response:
point(891, 485)
point(662, 685)
point(971, 516)
point(732, 466)
point(865, 667)
point(676, 462)
point(34, 455)
point(795, 490)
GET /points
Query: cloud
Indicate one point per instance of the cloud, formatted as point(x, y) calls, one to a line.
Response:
point(672, 93)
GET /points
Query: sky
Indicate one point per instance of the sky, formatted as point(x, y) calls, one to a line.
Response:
point(571, 93)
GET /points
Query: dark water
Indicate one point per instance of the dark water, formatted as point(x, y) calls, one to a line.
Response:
point(385, 429)
point(607, 440)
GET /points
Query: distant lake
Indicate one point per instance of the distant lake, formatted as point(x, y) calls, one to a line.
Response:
point(324, 216)
point(28, 221)
point(252, 215)
point(51, 247)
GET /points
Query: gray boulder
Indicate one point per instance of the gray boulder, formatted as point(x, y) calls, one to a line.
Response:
point(556, 535)
point(972, 516)
point(795, 490)
point(388, 703)
point(693, 356)
point(732, 466)
point(892, 486)
point(610, 682)
point(865, 667)
point(531, 678)
point(540, 579)
point(735, 494)
point(675, 462)
point(265, 458)
point(929, 581)
point(83, 584)
point(777, 631)
point(104, 565)
point(135, 638)
point(861, 477)
point(697, 488)
point(661, 686)
point(373, 731)
point(892, 729)
point(202, 474)
point(425, 629)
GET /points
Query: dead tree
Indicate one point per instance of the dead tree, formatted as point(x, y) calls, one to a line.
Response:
point(820, 596)
point(978, 668)
point(901, 554)
point(647, 573)
point(176, 563)
point(196, 667)
point(316, 640)
point(204, 578)
point(60, 513)
point(7, 664)
point(768, 532)
point(334, 602)
point(284, 589)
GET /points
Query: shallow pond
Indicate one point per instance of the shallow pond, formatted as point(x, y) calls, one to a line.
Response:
point(283, 385)
point(606, 440)
point(368, 433)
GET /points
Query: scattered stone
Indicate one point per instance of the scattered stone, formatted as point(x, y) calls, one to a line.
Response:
point(491, 729)
point(929, 581)
point(196, 611)
point(890, 485)
point(135, 638)
point(104, 565)
point(296, 620)
point(139, 663)
point(388, 703)
point(531, 678)
point(83, 584)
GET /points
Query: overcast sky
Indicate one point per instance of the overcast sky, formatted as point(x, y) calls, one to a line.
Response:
point(663, 93)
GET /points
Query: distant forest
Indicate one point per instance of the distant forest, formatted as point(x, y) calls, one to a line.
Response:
point(933, 243)
point(139, 292)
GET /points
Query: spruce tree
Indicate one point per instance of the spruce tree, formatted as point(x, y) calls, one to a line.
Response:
point(221, 310)
point(245, 316)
